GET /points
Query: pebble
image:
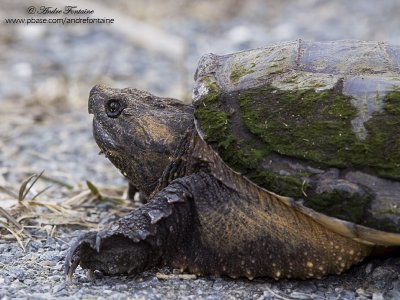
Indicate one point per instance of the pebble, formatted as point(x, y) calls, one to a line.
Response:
point(48, 263)
point(17, 273)
point(57, 288)
point(300, 296)
point(121, 287)
point(362, 292)
point(51, 256)
point(368, 269)
point(4, 248)
point(377, 296)
point(392, 294)
point(28, 281)
point(348, 295)
point(64, 247)
point(58, 277)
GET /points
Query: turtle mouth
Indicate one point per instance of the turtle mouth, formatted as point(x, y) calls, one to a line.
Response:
point(109, 147)
point(103, 139)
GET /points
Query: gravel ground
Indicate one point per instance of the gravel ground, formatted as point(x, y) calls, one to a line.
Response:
point(45, 76)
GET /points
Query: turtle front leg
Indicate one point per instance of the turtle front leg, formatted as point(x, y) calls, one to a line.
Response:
point(139, 241)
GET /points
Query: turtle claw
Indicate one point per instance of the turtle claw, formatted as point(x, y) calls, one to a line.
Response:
point(98, 243)
point(74, 255)
point(70, 270)
point(72, 261)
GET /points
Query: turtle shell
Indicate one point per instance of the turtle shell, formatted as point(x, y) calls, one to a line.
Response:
point(315, 121)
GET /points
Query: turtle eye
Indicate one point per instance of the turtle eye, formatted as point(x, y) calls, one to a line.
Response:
point(114, 108)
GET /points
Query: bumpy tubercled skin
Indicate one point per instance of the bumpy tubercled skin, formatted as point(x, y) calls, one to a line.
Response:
point(201, 216)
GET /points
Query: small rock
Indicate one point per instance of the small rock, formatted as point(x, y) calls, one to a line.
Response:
point(59, 266)
point(300, 296)
point(32, 256)
point(392, 294)
point(58, 278)
point(396, 284)
point(4, 248)
point(51, 242)
point(384, 276)
point(35, 245)
point(65, 247)
point(58, 288)
point(362, 292)
point(16, 283)
point(40, 296)
point(27, 282)
point(51, 255)
point(377, 296)
point(346, 295)
point(48, 263)
point(17, 273)
point(338, 290)
point(121, 287)
point(45, 288)
point(368, 268)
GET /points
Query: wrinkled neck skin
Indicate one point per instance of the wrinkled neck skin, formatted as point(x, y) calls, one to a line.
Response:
point(181, 163)
point(147, 138)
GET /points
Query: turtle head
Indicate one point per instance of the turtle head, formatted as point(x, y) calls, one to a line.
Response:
point(138, 132)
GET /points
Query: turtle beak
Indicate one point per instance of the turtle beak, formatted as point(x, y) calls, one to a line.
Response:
point(90, 108)
point(95, 91)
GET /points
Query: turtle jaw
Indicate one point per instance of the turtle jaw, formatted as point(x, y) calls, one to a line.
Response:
point(126, 160)
point(103, 139)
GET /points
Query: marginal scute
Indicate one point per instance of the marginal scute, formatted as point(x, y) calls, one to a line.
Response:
point(344, 57)
point(208, 64)
point(293, 80)
point(393, 55)
point(368, 94)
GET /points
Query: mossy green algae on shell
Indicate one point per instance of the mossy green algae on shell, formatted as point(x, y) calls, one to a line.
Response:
point(314, 127)
point(238, 71)
point(214, 122)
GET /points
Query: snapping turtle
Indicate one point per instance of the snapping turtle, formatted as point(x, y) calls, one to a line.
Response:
point(287, 164)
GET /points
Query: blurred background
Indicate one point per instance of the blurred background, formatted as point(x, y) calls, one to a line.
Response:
point(47, 70)
point(46, 73)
